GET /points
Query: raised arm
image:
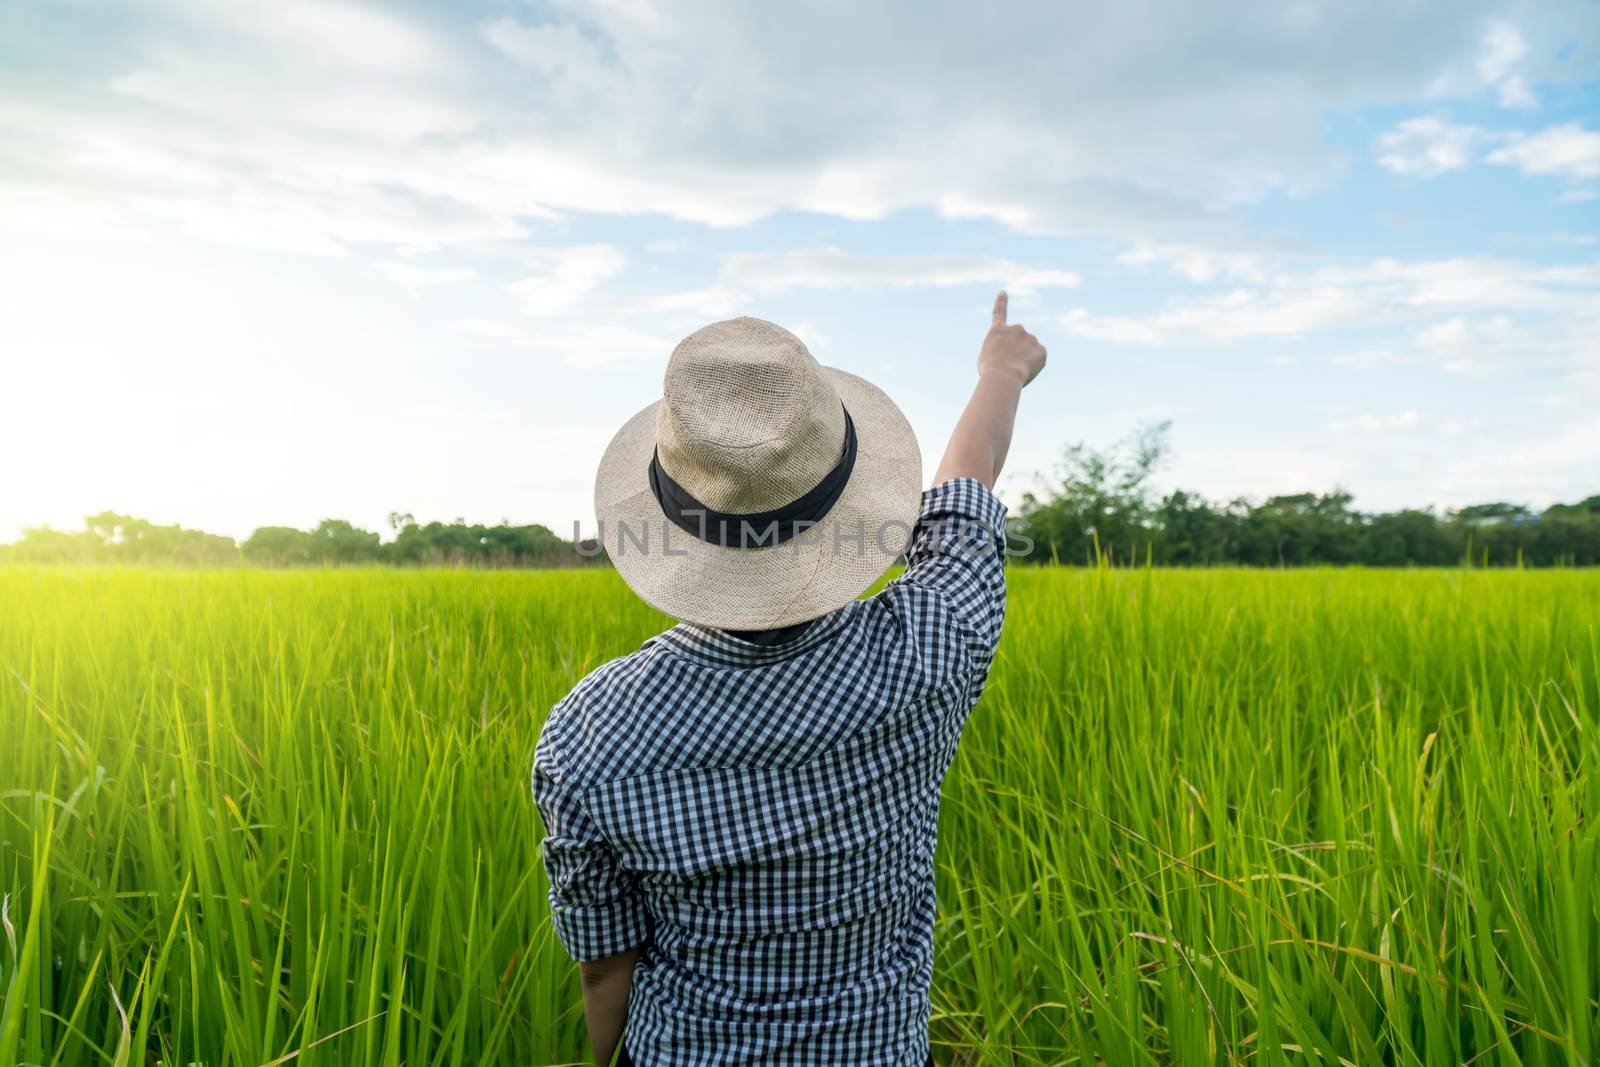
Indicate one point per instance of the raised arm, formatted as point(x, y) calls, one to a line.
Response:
point(1010, 358)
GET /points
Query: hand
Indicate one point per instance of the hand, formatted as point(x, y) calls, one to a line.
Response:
point(1010, 350)
point(1011, 357)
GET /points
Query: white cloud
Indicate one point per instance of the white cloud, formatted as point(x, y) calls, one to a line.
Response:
point(1514, 92)
point(1568, 150)
point(595, 346)
point(572, 281)
point(493, 329)
point(271, 129)
point(1496, 314)
point(553, 50)
point(1557, 466)
point(814, 337)
point(375, 133)
point(568, 276)
point(1240, 315)
point(578, 345)
point(1459, 334)
point(712, 301)
point(1503, 50)
point(1226, 472)
point(415, 278)
point(1487, 344)
point(1365, 358)
point(1405, 420)
point(1426, 147)
point(324, 30)
point(834, 268)
point(55, 212)
point(1473, 282)
point(1503, 46)
point(569, 292)
point(1198, 263)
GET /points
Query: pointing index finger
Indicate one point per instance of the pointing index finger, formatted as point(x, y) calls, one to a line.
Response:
point(1000, 303)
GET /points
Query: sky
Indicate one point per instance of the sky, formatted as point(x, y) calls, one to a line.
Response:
point(265, 264)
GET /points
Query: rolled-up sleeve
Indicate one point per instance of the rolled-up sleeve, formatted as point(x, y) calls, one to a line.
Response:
point(958, 550)
point(595, 906)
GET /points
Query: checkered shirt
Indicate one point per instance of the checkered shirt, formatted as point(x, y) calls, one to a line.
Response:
point(764, 818)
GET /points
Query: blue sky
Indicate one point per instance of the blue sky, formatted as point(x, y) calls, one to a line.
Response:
point(265, 264)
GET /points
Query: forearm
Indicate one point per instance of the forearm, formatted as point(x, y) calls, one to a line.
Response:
point(1010, 358)
point(982, 436)
point(607, 985)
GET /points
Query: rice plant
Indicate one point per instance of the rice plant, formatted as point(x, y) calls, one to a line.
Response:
point(1336, 816)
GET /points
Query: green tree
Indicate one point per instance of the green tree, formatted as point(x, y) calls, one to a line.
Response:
point(1101, 502)
point(337, 541)
point(277, 546)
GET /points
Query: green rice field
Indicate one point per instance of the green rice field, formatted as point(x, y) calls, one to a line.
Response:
point(1315, 816)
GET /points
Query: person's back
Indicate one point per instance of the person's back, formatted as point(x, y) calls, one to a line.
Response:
point(740, 829)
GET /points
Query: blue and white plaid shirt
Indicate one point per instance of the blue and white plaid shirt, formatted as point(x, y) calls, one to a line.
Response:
point(765, 817)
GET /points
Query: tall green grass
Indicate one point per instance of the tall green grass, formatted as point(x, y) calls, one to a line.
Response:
point(1199, 817)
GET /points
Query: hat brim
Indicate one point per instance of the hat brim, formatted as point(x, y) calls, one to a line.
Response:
point(821, 569)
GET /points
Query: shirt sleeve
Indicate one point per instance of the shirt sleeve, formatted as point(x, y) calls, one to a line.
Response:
point(595, 906)
point(958, 550)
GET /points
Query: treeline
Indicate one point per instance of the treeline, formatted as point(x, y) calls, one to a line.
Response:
point(114, 538)
point(433, 544)
point(1101, 508)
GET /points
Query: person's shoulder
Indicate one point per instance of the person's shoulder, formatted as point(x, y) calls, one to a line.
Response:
point(966, 497)
point(599, 686)
point(954, 582)
point(590, 712)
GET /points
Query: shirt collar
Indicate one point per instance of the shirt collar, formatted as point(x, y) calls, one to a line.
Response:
point(706, 645)
point(781, 635)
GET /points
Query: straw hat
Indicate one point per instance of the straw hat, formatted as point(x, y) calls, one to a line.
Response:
point(763, 489)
